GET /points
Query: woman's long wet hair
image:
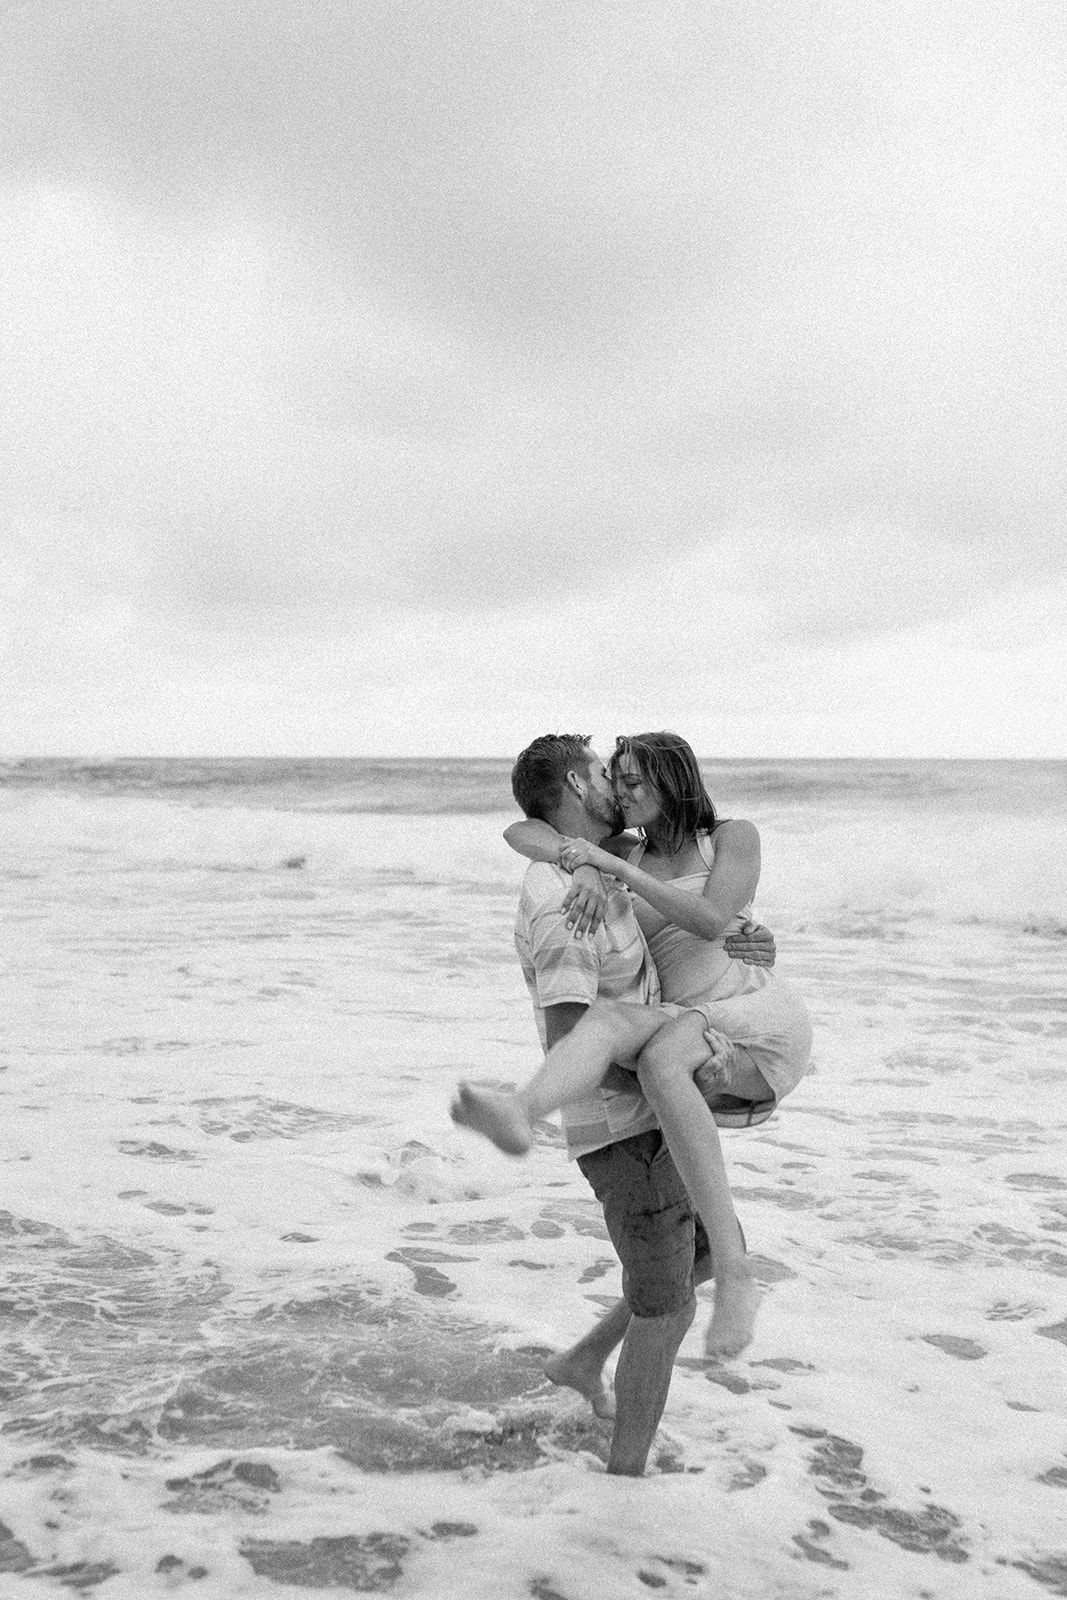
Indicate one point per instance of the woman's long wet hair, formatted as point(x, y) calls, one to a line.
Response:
point(667, 762)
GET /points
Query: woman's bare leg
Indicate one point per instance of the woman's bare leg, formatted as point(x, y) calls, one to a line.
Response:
point(665, 1068)
point(609, 1031)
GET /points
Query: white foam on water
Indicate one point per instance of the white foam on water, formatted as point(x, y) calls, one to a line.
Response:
point(252, 1264)
point(869, 861)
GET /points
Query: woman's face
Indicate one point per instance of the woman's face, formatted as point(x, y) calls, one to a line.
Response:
point(638, 799)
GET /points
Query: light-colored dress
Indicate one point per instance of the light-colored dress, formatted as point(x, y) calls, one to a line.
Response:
point(751, 1005)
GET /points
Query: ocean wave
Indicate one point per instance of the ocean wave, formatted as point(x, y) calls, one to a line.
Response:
point(447, 785)
point(967, 867)
point(414, 786)
point(817, 861)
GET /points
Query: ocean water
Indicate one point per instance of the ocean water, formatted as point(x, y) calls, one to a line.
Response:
point(271, 1324)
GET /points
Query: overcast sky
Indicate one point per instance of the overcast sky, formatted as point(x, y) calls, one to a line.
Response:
point(414, 376)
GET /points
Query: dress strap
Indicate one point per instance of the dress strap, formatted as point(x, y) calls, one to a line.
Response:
point(707, 849)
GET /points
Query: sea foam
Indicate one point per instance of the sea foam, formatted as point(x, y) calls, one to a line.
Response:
point(874, 862)
point(271, 1320)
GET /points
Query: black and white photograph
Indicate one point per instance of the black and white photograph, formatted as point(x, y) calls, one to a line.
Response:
point(533, 799)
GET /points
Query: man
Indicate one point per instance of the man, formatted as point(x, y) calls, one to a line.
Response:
point(613, 1131)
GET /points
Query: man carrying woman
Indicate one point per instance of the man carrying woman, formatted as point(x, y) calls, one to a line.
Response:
point(597, 1002)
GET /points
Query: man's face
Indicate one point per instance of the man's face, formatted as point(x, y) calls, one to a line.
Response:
point(600, 803)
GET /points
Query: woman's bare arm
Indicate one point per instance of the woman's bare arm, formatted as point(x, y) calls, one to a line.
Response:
point(586, 901)
point(730, 885)
point(534, 839)
point(540, 841)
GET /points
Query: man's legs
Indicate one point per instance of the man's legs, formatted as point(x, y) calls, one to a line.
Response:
point(582, 1366)
point(642, 1380)
point(652, 1227)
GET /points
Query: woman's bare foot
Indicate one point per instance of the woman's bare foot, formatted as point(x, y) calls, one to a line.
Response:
point(585, 1376)
point(500, 1117)
point(734, 1317)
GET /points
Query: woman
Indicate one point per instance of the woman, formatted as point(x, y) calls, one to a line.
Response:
point(681, 841)
point(739, 1028)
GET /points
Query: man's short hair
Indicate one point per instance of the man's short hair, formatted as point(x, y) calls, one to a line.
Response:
point(539, 776)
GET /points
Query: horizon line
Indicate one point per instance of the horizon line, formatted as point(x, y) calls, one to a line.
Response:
point(114, 759)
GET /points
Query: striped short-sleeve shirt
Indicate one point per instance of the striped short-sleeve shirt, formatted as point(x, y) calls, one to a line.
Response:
point(613, 965)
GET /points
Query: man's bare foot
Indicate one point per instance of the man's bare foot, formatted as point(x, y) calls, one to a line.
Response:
point(734, 1317)
point(587, 1377)
point(500, 1117)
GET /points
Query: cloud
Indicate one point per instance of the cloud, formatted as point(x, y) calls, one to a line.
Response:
point(326, 319)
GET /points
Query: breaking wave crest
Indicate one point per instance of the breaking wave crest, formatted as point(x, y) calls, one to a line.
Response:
point(868, 862)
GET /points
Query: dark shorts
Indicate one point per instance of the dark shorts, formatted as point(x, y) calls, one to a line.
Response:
point(656, 1236)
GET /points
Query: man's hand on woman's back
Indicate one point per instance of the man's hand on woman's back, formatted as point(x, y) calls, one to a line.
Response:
point(753, 944)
